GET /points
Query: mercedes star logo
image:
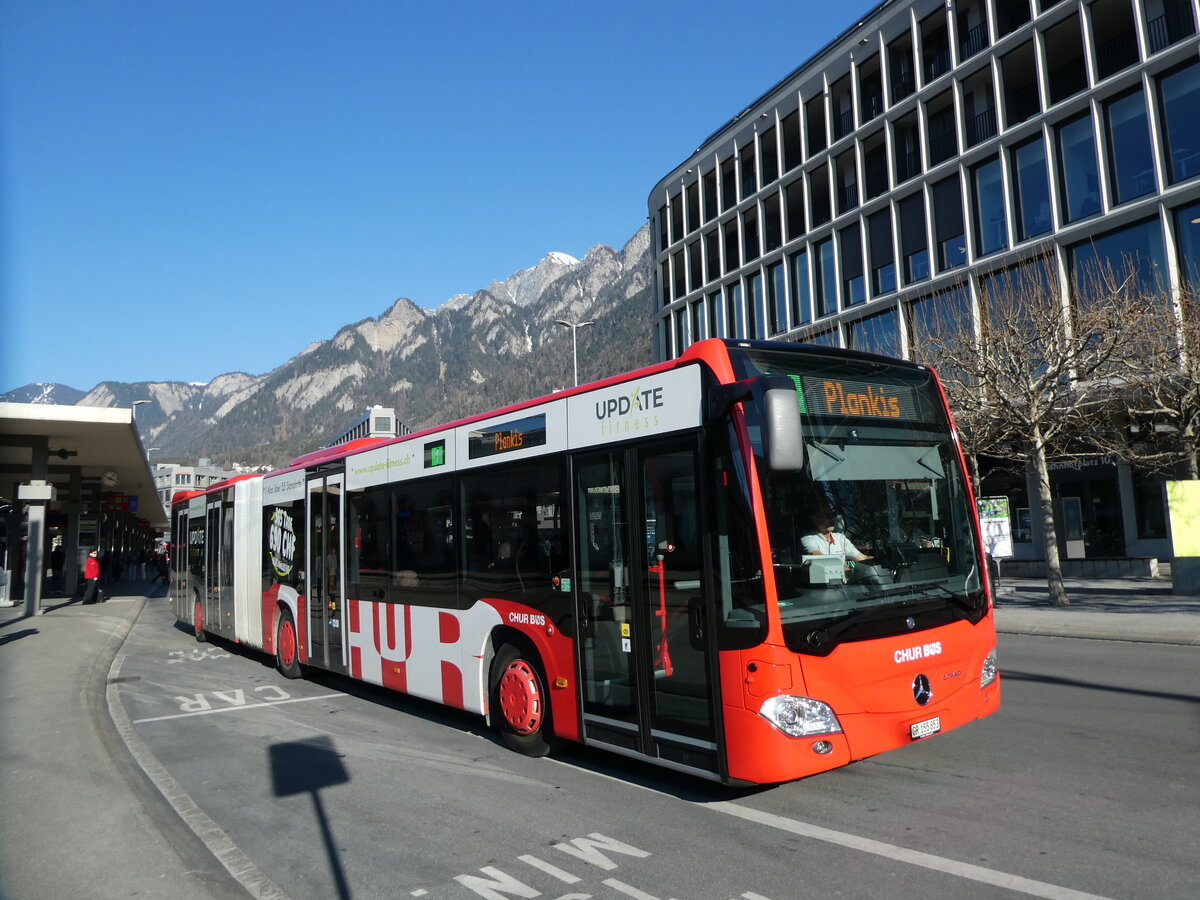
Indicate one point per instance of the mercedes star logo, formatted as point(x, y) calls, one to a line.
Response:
point(922, 692)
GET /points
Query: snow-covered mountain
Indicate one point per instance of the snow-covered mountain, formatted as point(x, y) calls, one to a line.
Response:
point(496, 346)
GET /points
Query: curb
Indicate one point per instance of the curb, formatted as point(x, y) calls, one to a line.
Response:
point(218, 863)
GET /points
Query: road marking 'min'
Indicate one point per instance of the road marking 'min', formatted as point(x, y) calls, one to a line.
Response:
point(588, 850)
point(555, 871)
point(903, 854)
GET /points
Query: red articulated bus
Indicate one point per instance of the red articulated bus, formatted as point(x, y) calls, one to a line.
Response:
point(753, 563)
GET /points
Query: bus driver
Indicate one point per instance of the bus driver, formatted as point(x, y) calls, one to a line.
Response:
point(824, 539)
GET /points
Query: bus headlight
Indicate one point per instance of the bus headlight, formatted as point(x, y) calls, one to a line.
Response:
point(989, 673)
point(800, 716)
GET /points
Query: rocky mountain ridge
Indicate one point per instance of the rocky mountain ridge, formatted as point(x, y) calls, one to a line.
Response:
point(474, 352)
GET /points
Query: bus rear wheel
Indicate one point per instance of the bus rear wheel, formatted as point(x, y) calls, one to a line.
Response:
point(520, 703)
point(287, 647)
point(198, 622)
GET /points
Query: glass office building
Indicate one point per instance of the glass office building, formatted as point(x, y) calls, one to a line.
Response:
point(925, 151)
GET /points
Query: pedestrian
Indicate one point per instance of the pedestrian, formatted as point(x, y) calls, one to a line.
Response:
point(163, 568)
point(58, 562)
point(91, 577)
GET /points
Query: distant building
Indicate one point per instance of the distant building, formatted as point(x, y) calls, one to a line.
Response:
point(922, 154)
point(376, 421)
point(170, 478)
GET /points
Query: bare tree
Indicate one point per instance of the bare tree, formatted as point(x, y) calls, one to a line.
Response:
point(1160, 404)
point(1033, 378)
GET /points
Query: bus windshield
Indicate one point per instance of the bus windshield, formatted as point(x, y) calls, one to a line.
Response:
point(874, 535)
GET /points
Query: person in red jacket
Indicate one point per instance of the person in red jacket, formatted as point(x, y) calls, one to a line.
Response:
point(91, 576)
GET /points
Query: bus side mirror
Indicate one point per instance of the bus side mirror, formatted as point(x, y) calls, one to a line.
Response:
point(782, 430)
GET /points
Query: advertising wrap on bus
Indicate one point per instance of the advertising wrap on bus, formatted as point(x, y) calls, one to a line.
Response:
point(751, 564)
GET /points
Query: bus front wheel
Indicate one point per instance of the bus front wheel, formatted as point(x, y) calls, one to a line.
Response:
point(287, 647)
point(519, 702)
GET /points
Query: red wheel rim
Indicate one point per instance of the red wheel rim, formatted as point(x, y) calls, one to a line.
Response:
point(199, 618)
point(287, 642)
point(521, 697)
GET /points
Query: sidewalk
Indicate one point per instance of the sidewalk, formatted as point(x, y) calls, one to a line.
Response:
point(1105, 609)
point(78, 817)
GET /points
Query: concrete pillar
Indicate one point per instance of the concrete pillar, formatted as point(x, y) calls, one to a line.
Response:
point(36, 496)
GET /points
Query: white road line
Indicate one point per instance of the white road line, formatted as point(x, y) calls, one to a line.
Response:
point(225, 709)
point(902, 854)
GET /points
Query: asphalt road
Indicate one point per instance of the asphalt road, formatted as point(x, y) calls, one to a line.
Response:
point(1085, 784)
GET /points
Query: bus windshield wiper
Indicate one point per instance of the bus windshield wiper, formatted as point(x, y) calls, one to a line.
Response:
point(958, 599)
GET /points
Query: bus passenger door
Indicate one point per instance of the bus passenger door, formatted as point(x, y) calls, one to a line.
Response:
point(646, 670)
point(326, 578)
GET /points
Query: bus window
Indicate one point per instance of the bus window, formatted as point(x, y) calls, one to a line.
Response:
point(514, 543)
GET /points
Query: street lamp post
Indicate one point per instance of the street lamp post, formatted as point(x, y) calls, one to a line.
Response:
point(574, 326)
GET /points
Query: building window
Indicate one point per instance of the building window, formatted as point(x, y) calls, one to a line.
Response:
point(1064, 50)
point(850, 246)
point(735, 311)
point(818, 195)
point(1179, 99)
point(1169, 21)
point(914, 243)
point(676, 217)
point(1031, 190)
point(814, 114)
point(801, 295)
point(792, 156)
point(750, 234)
point(777, 297)
point(772, 227)
point(875, 175)
point(948, 230)
point(733, 258)
point(1113, 36)
point(883, 261)
point(754, 297)
point(794, 198)
point(699, 320)
point(1148, 506)
point(1111, 258)
point(1078, 172)
point(847, 180)
point(728, 185)
point(710, 195)
point(695, 266)
point(1187, 240)
point(987, 192)
point(663, 241)
point(769, 155)
point(825, 278)
point(680, 285)
point(875, 334)
point(900, 68)
point(712, 254)
point(749, 179)
point(906, 146)
point(714, 314)
point(1130, 156)
point(943, 135)
point(693, 206)
point(824, 339)
point(948, 311)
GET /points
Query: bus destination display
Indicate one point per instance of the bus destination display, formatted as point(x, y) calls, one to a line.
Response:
point(516, 435)
point(858, 399)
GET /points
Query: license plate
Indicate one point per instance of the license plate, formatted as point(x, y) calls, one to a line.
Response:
point(926, 728)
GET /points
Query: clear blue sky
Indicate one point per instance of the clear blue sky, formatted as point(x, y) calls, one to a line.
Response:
point(192, 187)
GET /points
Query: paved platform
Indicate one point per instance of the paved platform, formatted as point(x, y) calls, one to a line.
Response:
point(79, 816)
